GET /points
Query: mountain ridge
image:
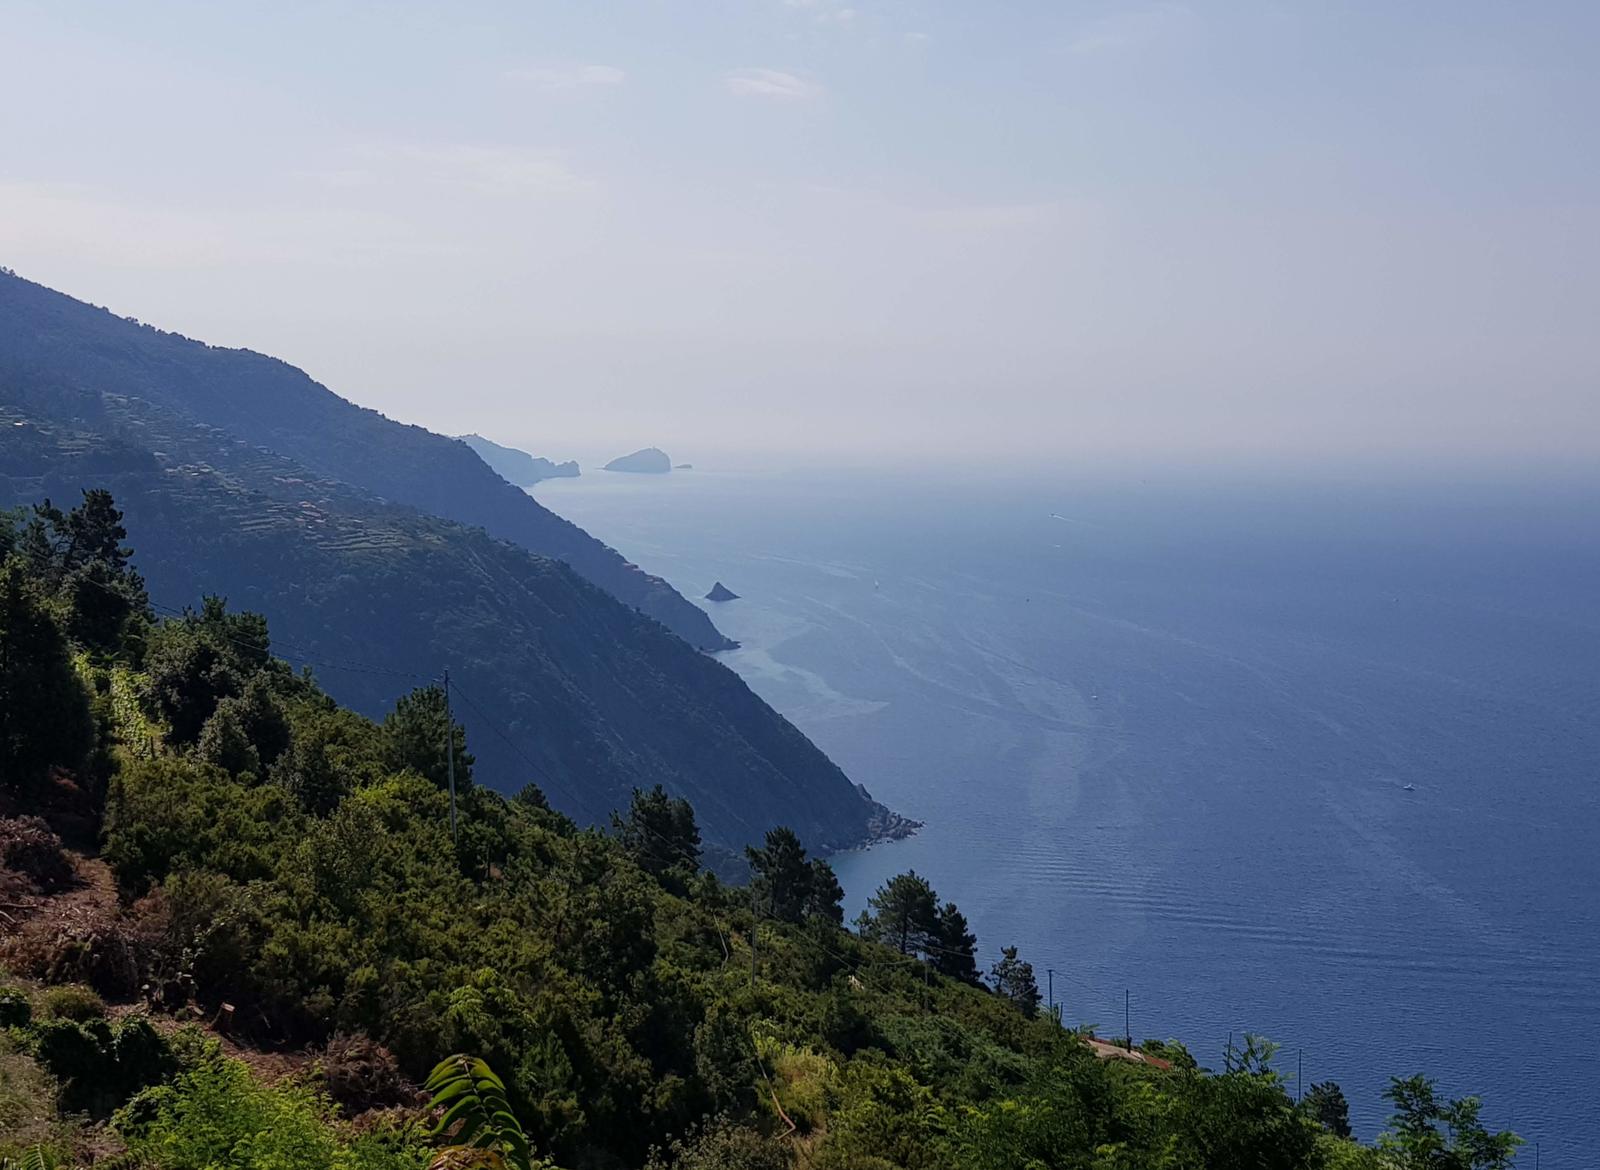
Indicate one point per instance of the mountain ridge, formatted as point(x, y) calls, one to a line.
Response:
point(268, 402)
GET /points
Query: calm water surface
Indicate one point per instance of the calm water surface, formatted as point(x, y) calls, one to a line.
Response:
point(1161, 736)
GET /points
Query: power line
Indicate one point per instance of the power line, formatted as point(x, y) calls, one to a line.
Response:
point(450, 755)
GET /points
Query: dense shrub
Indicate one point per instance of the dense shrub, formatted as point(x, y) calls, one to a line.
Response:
point(101, 1064)
point(72, 1002)
point(16, 1009)
point(722, 1145)
point(172, 813)
point(225, 742)
point(218, 1117)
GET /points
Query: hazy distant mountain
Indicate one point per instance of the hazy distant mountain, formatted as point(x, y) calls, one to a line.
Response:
point(270, 403)
point(567, 687)
point(516, 466)
point(650, 461)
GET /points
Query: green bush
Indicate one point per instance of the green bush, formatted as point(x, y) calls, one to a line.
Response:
point(101, 1065)
point(722, 1145)
point(219, 1117)
point(16, 1010)
point(72, 1002)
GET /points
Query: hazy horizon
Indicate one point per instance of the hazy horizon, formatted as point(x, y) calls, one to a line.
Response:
point(1164, 233)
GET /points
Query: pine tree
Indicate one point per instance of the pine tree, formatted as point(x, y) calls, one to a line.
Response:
point(414, 733)
point(660, 832)
point(1326, 1102)
point(79, 556)
point(1013, 979)
point(45, 717)
point(956, 952)
point(826, 898)
point(904, 913)
point(782, 876)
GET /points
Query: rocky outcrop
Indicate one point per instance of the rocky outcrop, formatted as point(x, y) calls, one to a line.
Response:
point(720, 592)
point(649, 461)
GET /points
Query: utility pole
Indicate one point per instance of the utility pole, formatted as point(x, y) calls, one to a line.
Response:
point(1299, 1074)
point(755, 925)
point(1127, 1017)
point(1051, 972)
point(450, 754)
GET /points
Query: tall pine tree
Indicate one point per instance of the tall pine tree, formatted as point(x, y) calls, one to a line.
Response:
point(904, 914)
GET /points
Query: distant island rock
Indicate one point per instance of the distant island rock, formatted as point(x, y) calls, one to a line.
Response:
point(720, 592)
point(650, 461)
point(515, 466)
point(683, 466)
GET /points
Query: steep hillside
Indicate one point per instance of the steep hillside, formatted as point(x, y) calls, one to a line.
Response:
point(561, 684)
point(267, 402)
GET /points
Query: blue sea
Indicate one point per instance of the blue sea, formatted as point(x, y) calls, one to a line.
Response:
point(1313, 758)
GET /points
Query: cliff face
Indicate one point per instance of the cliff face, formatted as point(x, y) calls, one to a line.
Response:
point(268, 403)
point(516, 466)
point(561, 684)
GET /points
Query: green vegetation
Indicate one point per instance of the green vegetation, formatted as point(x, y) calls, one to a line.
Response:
point(218, 1116)
point(287, 874)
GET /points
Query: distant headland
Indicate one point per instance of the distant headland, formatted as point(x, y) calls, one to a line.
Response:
point(516, 466)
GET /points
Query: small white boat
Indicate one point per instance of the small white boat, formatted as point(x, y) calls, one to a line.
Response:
point(1408, 788)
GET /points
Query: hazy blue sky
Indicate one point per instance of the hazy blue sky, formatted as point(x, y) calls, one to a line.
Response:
point(1242, 229)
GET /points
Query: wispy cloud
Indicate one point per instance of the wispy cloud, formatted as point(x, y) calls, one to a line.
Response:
point(484, 169)
point(561, 77)
point(1129, 28)
point(771, 83)
point(828, 12)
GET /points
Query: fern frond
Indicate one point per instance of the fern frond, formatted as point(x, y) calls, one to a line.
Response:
point(476, 1129)
point(33, 1158)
